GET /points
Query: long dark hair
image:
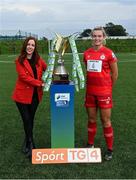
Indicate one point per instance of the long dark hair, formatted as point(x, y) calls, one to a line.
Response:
point(23, 53)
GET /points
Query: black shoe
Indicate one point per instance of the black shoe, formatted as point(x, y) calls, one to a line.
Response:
point(25, 146)
point(90, 146)
point(108, 155)
point(31, 146)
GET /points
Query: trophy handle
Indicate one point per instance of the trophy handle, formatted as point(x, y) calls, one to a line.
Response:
point(65, 45)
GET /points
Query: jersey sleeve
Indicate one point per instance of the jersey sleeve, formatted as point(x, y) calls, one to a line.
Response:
point(112, 57)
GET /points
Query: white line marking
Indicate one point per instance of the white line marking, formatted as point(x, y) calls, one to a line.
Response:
point(127, 61)
point(6, 62)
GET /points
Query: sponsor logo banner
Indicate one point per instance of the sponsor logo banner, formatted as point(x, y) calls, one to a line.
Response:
point(70, 155)
point(62, 99)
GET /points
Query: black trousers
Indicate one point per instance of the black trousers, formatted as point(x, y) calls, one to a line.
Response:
point(27, 112)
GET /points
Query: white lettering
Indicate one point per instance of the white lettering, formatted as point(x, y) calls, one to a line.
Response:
point(52, 156)
point(44, 157)
point(39, 157)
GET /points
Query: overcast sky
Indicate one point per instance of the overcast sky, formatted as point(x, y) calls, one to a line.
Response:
point(44, 17)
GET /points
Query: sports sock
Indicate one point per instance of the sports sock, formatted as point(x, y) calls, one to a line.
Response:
point(108, 134)
point(92, 128)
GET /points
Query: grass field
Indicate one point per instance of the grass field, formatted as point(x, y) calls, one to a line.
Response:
point(13, 164)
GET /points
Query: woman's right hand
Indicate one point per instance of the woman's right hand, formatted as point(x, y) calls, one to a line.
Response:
point(43, 84)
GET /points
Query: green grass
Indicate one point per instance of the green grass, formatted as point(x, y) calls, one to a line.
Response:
point(13, 163)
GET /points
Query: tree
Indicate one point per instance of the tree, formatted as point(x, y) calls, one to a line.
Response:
point(110, 28)
point(85, 33)
point(115, 30)
point(44, 38)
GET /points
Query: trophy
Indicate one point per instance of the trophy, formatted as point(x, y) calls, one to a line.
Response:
point(60, 74)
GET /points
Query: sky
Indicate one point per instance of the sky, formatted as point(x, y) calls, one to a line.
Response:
point(44, 17)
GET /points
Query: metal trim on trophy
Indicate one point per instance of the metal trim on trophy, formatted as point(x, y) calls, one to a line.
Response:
point(60, 74)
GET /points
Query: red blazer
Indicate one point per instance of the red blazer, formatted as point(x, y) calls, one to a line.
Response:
point(26, 82)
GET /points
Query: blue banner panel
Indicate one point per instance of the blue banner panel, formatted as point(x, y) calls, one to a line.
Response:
point(62, 115)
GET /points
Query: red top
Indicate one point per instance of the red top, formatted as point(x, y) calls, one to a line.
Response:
point(26, 82)
point(98, 70)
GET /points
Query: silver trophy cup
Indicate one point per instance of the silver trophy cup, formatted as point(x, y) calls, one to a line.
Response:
point(60, 74)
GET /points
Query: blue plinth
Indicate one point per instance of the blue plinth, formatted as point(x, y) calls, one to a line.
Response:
point(62, 115)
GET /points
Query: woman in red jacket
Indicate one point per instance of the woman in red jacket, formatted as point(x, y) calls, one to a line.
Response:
point(28, 89)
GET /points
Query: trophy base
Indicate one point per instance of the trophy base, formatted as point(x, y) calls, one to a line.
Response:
point(60, 79)
point(61, 82)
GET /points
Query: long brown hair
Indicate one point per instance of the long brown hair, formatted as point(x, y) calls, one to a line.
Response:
point(23, 53)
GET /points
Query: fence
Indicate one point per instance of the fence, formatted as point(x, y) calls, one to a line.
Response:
point(17, 35)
